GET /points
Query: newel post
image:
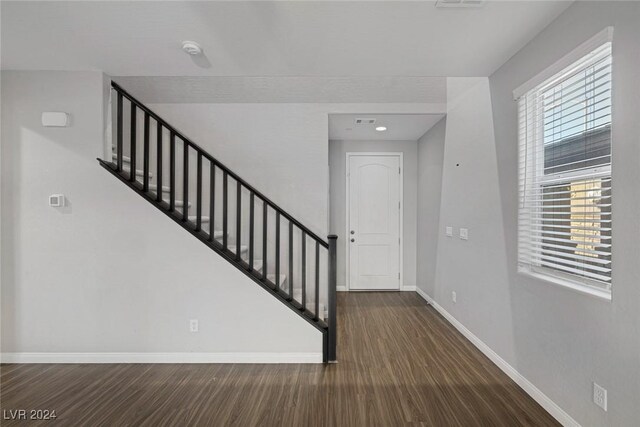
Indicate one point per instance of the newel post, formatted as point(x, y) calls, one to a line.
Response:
point(332, 339)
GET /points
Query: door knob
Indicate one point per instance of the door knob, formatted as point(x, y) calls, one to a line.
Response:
point(353, 240)
point(353, 232)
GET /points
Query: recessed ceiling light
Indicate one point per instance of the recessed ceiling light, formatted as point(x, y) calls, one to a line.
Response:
point(381, 128)
point(192, 48)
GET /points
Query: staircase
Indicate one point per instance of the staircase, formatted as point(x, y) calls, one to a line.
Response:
point(225, 213)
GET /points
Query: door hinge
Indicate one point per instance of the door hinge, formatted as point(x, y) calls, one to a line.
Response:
point(398, 275)
point(399, 171)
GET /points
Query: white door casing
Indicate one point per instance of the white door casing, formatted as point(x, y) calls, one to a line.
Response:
point(374, 195)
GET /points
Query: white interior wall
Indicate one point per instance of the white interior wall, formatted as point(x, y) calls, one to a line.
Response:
point(281, 149)
point(109, 273)
point(560, 340)
point(337, 162)
point(430, 163)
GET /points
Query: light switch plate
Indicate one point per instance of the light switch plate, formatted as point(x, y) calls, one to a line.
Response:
point(464, 234)
point(449, 231)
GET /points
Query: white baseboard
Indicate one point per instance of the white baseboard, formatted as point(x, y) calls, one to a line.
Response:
point(343, 288)
point(549, 405)
point(161, 358)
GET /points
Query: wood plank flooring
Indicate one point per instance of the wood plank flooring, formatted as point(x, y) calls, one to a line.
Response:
point(400, 363)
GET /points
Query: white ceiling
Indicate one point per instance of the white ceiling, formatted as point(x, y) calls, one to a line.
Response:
point(269, 38)
point(400, 127)
point(211, 89)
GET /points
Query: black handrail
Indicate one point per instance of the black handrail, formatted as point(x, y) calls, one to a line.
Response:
point(230, 173)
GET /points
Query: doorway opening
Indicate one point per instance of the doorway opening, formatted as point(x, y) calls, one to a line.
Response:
point(373, 198)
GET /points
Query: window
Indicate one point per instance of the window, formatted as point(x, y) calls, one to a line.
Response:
point(564, 222)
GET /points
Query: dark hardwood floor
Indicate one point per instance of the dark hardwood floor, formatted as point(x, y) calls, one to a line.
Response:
point(400, 363)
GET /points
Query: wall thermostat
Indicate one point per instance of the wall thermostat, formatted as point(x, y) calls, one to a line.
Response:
point(55, 119)
point(56, 200)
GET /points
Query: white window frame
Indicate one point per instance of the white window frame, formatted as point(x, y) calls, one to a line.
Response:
point(546, 274)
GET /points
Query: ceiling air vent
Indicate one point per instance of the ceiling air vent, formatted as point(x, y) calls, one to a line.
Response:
point(365, 121)
point(460, 3)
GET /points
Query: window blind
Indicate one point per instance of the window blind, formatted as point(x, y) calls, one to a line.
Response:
point(564, 221)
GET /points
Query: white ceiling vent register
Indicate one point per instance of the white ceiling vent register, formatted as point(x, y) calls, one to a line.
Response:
point(365, 121)
point(460, 3)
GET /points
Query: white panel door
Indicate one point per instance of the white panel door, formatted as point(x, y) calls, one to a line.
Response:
point(374, 222)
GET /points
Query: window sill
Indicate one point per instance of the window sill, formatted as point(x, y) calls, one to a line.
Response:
point(576, 287)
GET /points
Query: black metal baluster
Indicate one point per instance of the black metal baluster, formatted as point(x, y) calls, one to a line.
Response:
point(172, 171)
point(251, 243)
point(185, 181)
point(290, 277)
point(277, 280)
point(145, 159)
point(303, 278)
point(119, 134)
point(238, 219)
point(264, 240)
point(317, 310)
point(224, 209)
point(159, 163)
point(133, 151)
point(212, 201)
point(199, 194)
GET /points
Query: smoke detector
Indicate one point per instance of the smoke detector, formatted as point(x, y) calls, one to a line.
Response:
point(460, 3)
point(192, 48)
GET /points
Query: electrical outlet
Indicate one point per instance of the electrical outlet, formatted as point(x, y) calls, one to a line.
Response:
point(454, 297)
point(600, 396)
point(449, 231)
point(193, 325)
point(464, 234)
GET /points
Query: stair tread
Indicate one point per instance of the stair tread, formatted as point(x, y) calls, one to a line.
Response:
point(283, 278)
point(203, 219)
point(138, 172)
point(232, 248)
point(180, 203)
point(125, 159)
point(153, 187)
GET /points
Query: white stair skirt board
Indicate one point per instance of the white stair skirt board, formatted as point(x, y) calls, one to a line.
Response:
point(549, 405)
point(161, 357)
